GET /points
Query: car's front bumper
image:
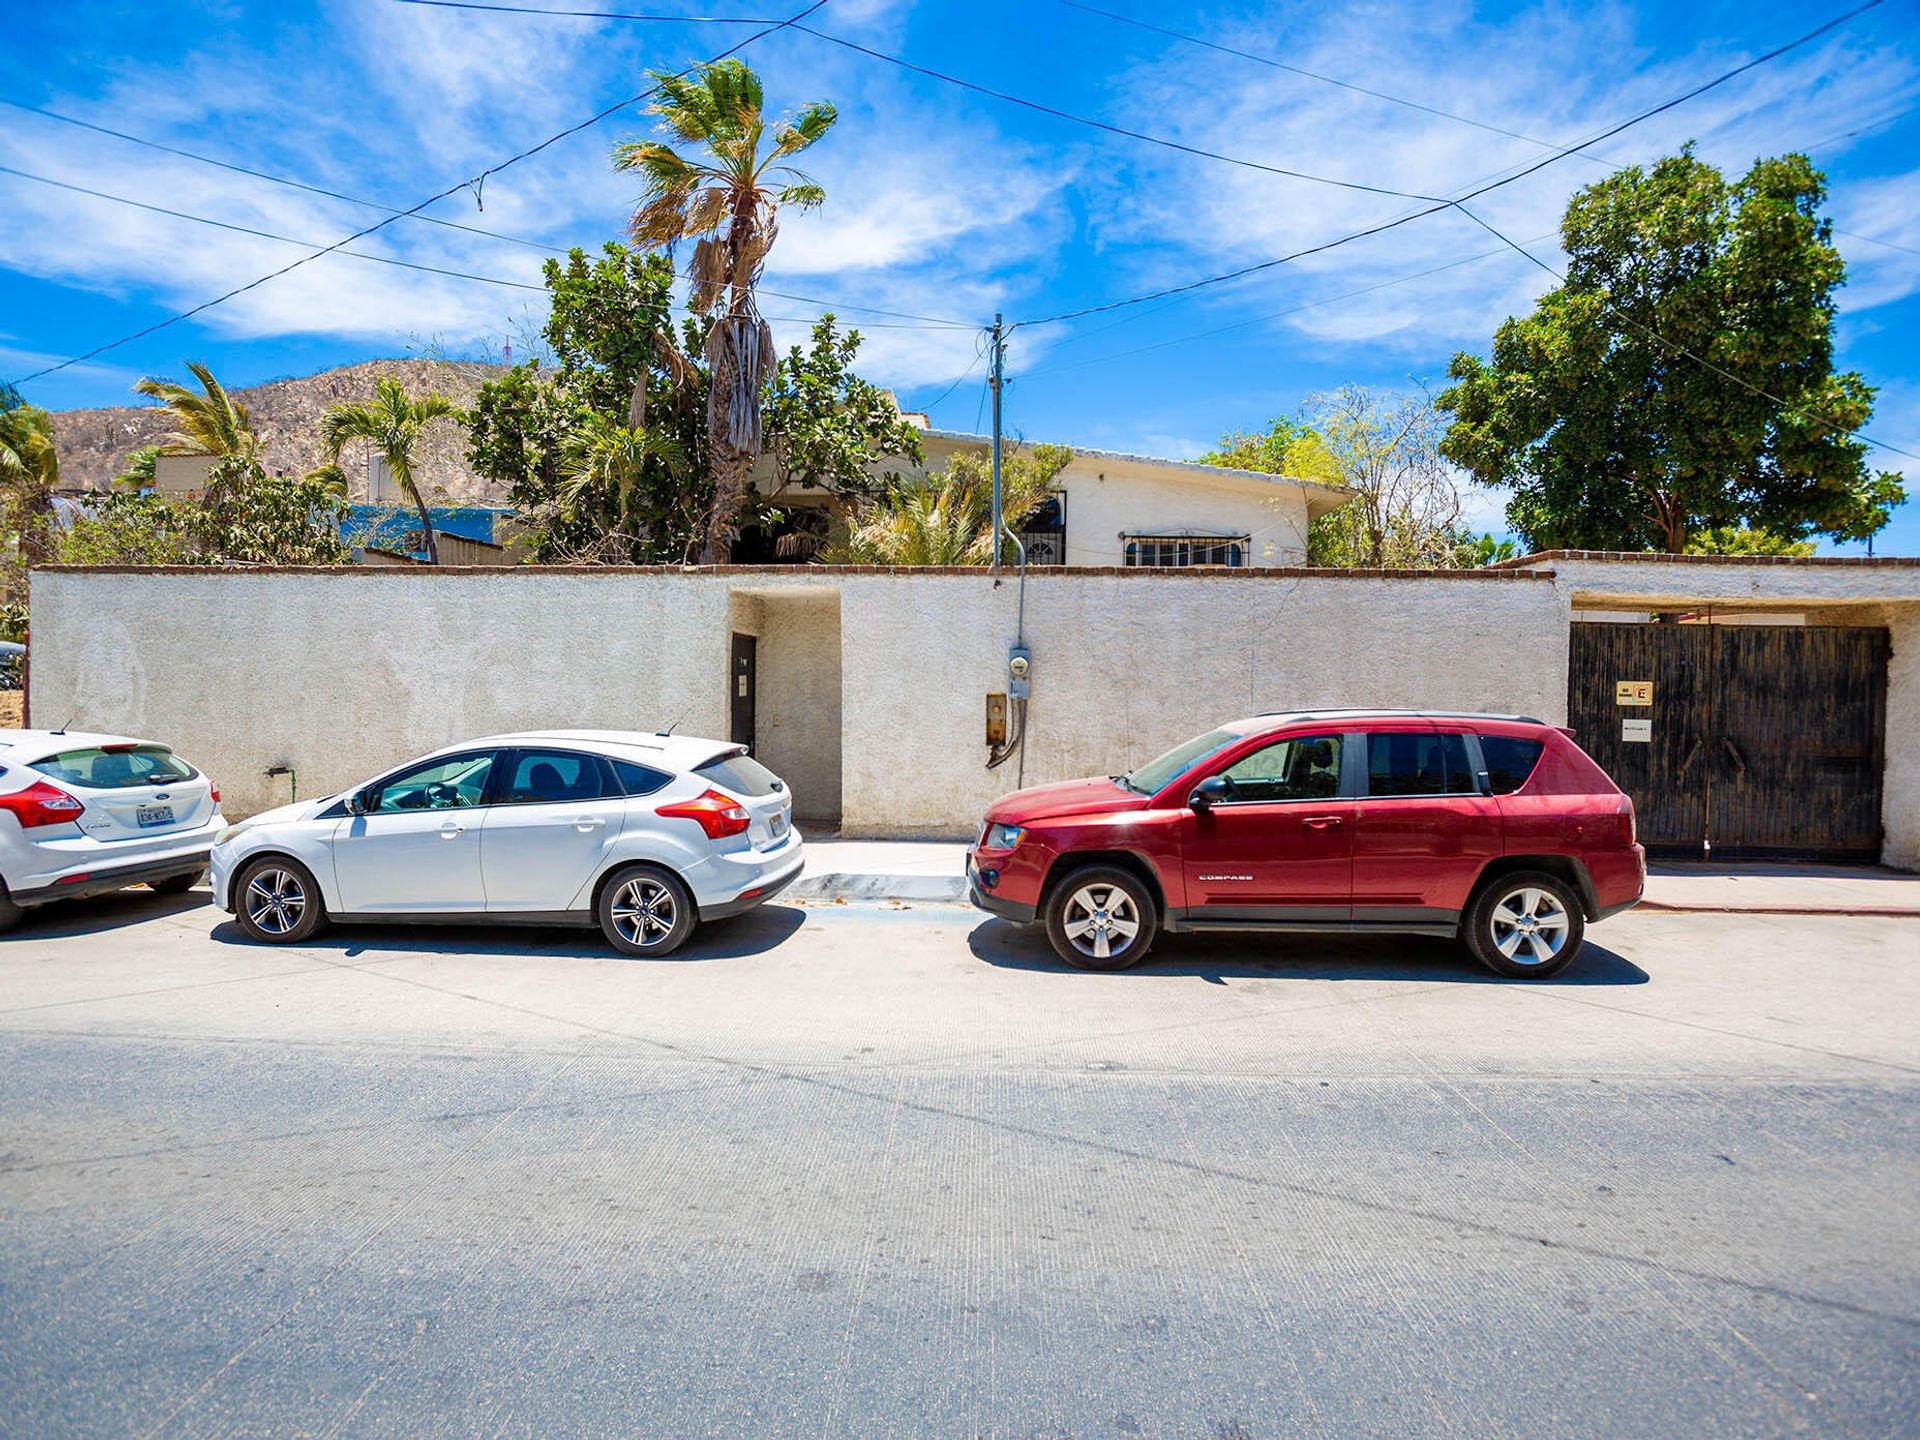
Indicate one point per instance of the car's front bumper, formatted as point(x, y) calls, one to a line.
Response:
point(983, 896)
point(113, 877)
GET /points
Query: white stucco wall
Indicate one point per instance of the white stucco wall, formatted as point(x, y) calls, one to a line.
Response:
point(797, 721)
point(1900, 799)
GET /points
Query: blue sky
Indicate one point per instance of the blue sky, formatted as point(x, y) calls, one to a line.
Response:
point(942, 203)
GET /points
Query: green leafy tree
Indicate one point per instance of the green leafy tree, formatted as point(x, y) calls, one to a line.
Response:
point(1725, 540)
point(826, 426)
point(246, 517)
point(29, 473)
point(390, 424)
point(1612, 437)
point(138, 473)
point(603, 469)
point(947, 519)
point(210, 421)
point(728, 200)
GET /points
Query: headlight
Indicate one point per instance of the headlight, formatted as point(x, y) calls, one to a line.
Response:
point(226, 833)
point(1003, 837)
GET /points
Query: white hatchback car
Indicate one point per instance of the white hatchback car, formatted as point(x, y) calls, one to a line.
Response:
point(644, 835)
point(82, 814)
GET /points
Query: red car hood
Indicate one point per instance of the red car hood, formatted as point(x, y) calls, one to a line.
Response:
point(1069, 797)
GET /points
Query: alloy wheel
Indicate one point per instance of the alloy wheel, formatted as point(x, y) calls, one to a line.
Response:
point(1530, 926)
point(644, 911)
point(276, 900)
point(1100, 921)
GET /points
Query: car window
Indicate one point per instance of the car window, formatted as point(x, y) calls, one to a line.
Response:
point(542, 777)
point(1417, 763)
point(452, 783)
point(740, 773)
point(638, 779)
point(1161, 771)
point(1300, 767)
point(121, 767)
point(1510, 760)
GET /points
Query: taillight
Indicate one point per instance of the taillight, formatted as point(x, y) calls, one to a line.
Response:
point(41, 804)
point(719, 815)
point(1629, 832)
point(216, 791)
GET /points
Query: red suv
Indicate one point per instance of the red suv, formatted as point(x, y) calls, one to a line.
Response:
point(1495, 829)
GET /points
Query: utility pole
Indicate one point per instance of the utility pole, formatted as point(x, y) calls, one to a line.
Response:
point(994, 382)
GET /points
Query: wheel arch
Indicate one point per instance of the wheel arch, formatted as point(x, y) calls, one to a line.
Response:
point(1066, 863)
point(612, 867)
point(1566, 868)
point(275, 852)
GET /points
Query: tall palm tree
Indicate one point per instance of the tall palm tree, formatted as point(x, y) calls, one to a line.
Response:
point(211, 422)
point(390, 424)
point(602, 457)
point(729, 200)
point(29, 472)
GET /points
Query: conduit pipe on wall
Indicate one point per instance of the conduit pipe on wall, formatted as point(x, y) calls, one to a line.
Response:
point(1017, 692)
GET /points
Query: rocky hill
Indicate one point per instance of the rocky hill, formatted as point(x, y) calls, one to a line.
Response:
point(94, 444)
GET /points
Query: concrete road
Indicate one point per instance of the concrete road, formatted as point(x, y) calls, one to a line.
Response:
point(877, 1171)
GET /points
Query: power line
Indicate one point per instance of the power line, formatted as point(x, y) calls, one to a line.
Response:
point(382, 224)
point(606, 15)
point(978, 89)
point(1680, 349)
point(1435, 209)
point(979, 353)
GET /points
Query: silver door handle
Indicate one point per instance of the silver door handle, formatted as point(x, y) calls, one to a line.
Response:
point(584, 823)
point(451, 828)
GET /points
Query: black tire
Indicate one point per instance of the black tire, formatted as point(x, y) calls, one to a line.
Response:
point(300, 910)
point(10, 913)
point(1527, 895)
point(646, 910)
point(177, 884)
point(1090, 900)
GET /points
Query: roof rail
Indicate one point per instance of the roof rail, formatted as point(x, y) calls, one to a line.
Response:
point(1399, 715)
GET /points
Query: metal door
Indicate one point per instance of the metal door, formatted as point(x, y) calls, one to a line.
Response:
point(745, 682)
point(1759, 741)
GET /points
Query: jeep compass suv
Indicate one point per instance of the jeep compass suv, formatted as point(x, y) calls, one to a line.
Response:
point(1495, 829)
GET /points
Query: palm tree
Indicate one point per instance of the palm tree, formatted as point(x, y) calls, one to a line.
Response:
point(602, 458)
point(948, 519)
point(29, 472)
point(391, 426)
point(211, 422)
point(729, 200)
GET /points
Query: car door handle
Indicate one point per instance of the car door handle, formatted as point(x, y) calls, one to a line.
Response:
point(1322, 822)
point(584, 823)
point(450, 829)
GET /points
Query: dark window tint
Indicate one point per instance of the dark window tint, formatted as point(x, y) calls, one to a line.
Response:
point(1411, 763)
point(545, 776)
point(1301, 767)
point(638, 779)
point(1510, 760)
point(740, 773)
point(122, 767)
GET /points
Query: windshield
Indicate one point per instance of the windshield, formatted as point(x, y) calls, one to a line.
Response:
point(1156, 774)
point(116, 767)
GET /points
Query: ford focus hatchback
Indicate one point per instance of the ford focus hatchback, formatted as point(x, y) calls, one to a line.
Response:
point(1497, 830)
point(644, 836)
point(85, 814)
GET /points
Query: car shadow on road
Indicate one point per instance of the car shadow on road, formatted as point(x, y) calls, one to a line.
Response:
point(1219, 958)
point(98, 914)
point(753, 933)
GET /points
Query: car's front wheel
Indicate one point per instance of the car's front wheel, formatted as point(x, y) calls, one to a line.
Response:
point(277, 901)
point(1101, 918)
point(646, 910)
point(1525, 926)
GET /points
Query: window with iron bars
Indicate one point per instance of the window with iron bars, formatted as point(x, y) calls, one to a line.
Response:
point(1045, 531)
point(1174, 550)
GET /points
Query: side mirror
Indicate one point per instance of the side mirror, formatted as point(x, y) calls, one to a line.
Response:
point(1209, 792)
point(357, 803)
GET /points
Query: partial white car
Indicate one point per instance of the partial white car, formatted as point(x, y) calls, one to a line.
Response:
point(642, 835)
point(81, 814)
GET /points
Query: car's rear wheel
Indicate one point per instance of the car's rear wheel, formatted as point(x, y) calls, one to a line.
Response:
point(177, 884)
point(645, 910)
point(277, 901)
point(1101, 918)
point(1525, 926)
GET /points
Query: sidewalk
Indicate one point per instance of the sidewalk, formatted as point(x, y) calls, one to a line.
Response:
point(931, 870)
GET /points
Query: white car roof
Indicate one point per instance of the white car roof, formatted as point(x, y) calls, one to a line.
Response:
point(27, 746)
point(683, 752)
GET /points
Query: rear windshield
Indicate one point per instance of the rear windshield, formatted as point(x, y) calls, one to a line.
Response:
point(741, 774)
point(1510, 760)
point(122, 767)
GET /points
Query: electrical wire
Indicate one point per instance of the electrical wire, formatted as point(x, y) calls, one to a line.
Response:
point(361, 234)
point(1449, 204)
point(979, 353)
point(975, 87)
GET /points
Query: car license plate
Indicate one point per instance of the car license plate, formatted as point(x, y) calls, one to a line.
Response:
point(150, 815)
point(779, 826)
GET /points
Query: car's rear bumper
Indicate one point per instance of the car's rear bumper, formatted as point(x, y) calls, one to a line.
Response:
point(734, 882)
point(112, 877)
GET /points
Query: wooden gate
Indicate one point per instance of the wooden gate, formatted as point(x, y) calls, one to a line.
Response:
point(1759, 741)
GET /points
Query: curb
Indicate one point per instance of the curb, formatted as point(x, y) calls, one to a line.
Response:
point(1870, 912)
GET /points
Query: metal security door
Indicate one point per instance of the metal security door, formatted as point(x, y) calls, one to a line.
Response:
point(744, 682)
point(1758, 742)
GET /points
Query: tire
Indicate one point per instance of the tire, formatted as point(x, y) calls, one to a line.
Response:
point(177, 884)
point(1088, 911)
point(10, 913)
point(277, 901)
point(646, 910)
point(1525, 896)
